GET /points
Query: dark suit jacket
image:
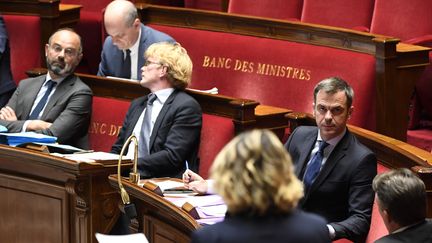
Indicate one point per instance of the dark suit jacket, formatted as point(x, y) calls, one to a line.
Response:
point(175, 136)
point(7, 84)
point(342, 192)
point(297, 227)
point(69, 109)
point(112, 57)
point(420, 233)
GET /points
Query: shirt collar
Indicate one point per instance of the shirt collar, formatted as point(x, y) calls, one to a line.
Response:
point(48, 77)
point(163, 94)
point(334, 141)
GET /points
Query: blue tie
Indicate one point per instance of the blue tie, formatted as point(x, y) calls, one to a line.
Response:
point(37, 110)
point(126, 66)
point(314, 166)
point(145, 134)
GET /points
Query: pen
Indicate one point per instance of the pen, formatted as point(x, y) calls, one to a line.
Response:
point(187, 165)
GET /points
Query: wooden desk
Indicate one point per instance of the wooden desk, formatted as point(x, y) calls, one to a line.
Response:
point(160, 220)
point(54, 200)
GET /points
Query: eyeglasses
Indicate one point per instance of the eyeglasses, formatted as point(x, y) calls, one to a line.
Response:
point(147, 62)
point(69, 52)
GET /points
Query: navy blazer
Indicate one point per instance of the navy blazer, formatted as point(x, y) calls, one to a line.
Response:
point(112, 57)
point(7, 84)
point(297, 227)
point(175, 136)
point(342, 192)
point(419, 233)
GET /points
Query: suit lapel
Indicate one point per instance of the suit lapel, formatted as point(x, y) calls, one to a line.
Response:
point(135, 114)
point(309, 142)
point(29, 99)
point(338, 153)
point(59, 93)
point(160, 118)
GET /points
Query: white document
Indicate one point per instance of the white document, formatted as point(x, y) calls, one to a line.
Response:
point(132, 238)
point(213, 90)
point(167, 184)
point(89, 157)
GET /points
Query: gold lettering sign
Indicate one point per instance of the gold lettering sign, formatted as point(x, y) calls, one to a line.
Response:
point(104, 129)
point(266, 69)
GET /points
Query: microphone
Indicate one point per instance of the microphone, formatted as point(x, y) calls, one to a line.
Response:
point(134, 177)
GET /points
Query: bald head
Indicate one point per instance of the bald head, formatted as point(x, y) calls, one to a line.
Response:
point(122, 23)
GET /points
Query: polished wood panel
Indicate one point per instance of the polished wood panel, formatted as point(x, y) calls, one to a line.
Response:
point(51, 199)
point(245, 113)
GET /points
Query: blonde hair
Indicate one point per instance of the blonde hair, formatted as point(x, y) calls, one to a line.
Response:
point(254, 175)
point(175, 58)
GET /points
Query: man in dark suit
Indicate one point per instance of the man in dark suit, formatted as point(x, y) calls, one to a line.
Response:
point(57, 104)
point(338, 185)
point(122, 53)
point(7, 84)
point(175, 120)
point(401, 198)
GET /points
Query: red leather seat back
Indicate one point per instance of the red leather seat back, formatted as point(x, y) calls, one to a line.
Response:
point(340, 13)
point(24, 40)
point(278, 9)
point(90, 28)
point(216, 132)
point(401, 18)
point(274, 72)
point(106, 121)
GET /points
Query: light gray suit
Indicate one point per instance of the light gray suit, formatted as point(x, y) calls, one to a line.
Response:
point(69, 109)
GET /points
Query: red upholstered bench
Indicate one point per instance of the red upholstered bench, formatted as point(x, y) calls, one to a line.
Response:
point(216, 132)
point(25, 54)
point(106, 121)
point(275, 72)
point(352, 14)
point(277, 62)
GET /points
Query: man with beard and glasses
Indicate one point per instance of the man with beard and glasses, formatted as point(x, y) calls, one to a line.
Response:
point(58, 103)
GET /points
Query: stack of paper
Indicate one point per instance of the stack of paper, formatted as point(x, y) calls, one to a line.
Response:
point(14, 139)
point(132, 238)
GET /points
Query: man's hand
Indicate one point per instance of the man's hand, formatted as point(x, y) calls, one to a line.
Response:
point(8, 114)
point(194, 182)
point(38, 125)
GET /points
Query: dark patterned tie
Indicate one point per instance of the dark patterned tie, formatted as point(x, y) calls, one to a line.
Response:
point(37, 110)
point(126, 67)
point(314, 166)
point(145, 133)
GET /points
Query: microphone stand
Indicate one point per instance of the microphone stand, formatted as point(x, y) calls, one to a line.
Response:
point(134, 177)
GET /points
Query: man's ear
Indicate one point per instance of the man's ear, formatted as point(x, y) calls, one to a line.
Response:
point(164, 71)
point(350, 111)
point(46, 49)
point(313, 109)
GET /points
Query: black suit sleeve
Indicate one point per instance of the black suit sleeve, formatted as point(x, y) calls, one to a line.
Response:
point(181, 138)
point(360, 200)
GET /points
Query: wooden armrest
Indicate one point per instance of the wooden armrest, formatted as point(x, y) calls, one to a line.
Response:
point(297, 119)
